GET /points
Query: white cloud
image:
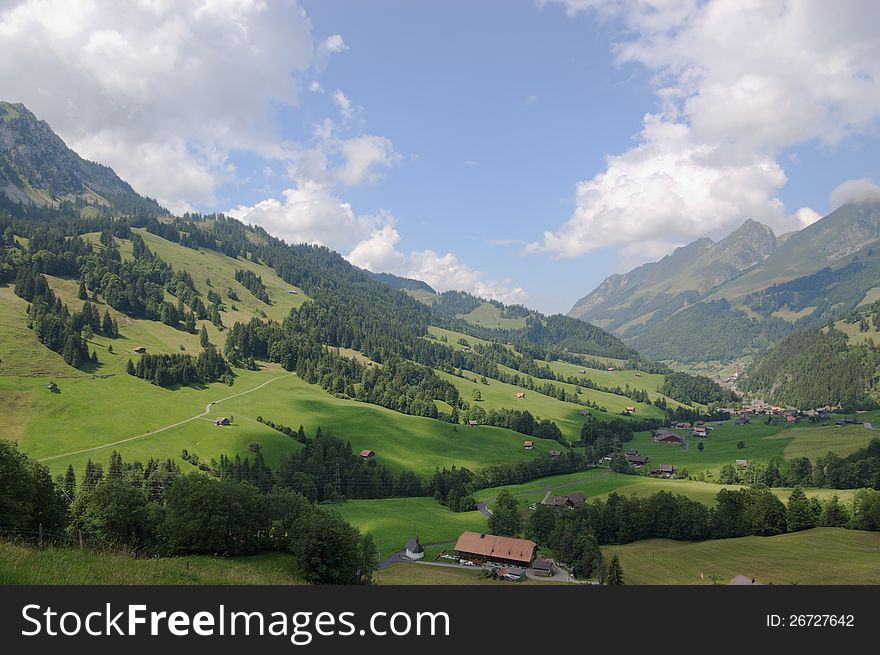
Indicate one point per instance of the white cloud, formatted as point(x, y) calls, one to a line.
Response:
point(806, 216)
point(736, 83)
point(854, 192)
point(310, 213)
point(315, 87)
point(346, 109)
point(180, 83)
point(379, 253)
point(349, 162)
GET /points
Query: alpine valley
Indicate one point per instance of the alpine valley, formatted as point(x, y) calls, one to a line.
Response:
point(193, 392)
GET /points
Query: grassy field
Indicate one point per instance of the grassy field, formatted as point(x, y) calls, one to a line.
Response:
point(818, 556)
point(498, 395)
point(453, 337)
point(488, 315)
point(761, 443)
point(71, 566)
point(392, 521)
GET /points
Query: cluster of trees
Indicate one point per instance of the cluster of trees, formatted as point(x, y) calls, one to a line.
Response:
point(517, 420)
point(52, 322)
point(155, 510)
point(182, 369)
point(328, 469)
point(253, 283)
point(858, 470)
point(813, 368)
point(737, 513)
point(455, 487)
point(690, 389)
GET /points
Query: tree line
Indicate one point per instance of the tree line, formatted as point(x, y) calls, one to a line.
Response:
point(137, 509)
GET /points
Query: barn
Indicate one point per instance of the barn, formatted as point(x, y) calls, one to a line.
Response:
point(367, 454)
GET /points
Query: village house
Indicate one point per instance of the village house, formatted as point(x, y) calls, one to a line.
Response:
point(222, 421)
point(140, 350)
point(572, 500)
point(700, 432)
point(366, 453)
point(528, 445)
point(664, 470)
point(520, 394)
point(634, 459)
point(665, 436)
point(473, 423)
point(630, 410)
point(484, 547)
point(742, 463)
point(683, 425)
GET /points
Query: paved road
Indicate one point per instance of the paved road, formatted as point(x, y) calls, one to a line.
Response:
point(485, 511)
point(167, 427)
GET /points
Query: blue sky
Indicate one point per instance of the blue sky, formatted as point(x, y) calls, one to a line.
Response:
point(522, 150)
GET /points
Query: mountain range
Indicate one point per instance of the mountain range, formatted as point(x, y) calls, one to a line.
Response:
point(720, 301)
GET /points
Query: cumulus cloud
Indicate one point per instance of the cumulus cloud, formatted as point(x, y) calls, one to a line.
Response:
point(736, 83)
point(348, 162)
point(178, 84)
point(310, 213)
point(379, 253)
point(854, 192)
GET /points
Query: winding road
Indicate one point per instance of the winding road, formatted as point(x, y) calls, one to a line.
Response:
point(167, 427)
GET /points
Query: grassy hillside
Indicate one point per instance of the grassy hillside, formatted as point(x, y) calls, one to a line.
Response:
point(22, 565)
point(818, 556)
point(392, 521)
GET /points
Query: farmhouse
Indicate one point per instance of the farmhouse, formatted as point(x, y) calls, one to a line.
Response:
point(473, 423)
point(414, 549)
point(572, 500)
point(742, 463)
point(528, 445)
point(665, 436)
point(664, 470)
point(630, 410)
point(222, 421)
point(520, 394)
point(485, 547)
point(700, 432)
point(366, 453)
point(682, 424)
point(634, 459)
point(140, 350)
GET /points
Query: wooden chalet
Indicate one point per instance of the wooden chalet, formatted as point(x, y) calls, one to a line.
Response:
point(222, 421)
point(366, 453)
point(665, 436)
point(664, 470)
point(528, 445)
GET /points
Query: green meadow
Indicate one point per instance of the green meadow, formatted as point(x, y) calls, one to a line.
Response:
point(23, 565)
point(818, 556)
point(392, 521)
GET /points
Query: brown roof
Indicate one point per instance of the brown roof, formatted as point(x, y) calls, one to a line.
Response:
point(367, 453)
point(490, 545)
point(577, 497)
point(542, 564)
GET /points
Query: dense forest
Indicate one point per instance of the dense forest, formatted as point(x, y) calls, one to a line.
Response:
point(690, 389)
point(813, 368)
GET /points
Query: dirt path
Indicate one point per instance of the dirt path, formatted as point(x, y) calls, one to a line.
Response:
point(167, 427)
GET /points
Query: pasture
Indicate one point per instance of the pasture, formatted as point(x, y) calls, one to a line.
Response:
point(818, 556)
point(392, 521)
point(22, 565)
